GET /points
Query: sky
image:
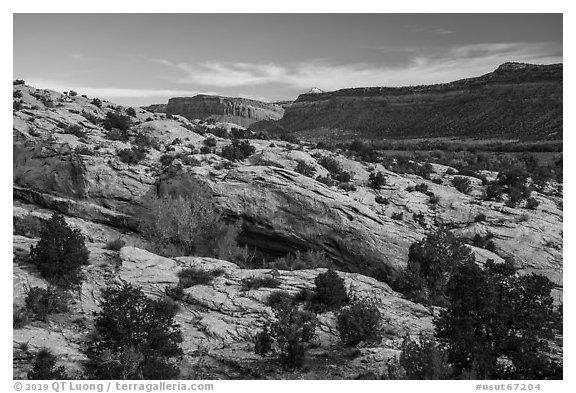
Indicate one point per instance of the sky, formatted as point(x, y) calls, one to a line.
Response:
point(141, 59)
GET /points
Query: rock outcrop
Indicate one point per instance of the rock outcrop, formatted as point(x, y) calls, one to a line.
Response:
point(240, 111)
point(156, 108)
point(280, 211)
point(515, 101)
point(219, 320)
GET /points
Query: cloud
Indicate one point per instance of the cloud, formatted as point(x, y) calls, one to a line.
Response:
point(429, 29)
point(441, 31)
point(233, 74)
point(420, 66)
point(111, 92)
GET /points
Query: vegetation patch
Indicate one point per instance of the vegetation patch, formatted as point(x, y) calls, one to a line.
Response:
point(196, 276)
point(60, 253)
point(136, 337)
point(259, 282)
point(359, 322)
point(42, 302)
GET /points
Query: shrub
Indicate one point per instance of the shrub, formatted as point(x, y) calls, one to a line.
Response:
point(433, 199)
point(512, 177)
point(423, 359)
point(41, 302)
point(437, 180)
point(132, 156)
point(44, 367)
point(238, 150)
point(118, 135)
point(462, 184)
point(219, 132)
point(29, 226)
point(166, 159)
point(116, 120)
point(377, 180)
point(92, 118)
point(97, 102)
point(192, 161)
point(136, 337)
point(347, 186)
point(493, 191)
point(259, 282)
point(330, 290)
point(517, 193)
point(498, 324)
point(305, 169)
point(330, 164)
point(424, 170)
point(398, 216)
point(115, 244)
point(60, 252)
point(131, 112)
point(393, 370)
point(263, 342)
point(325, 180)
point(187, 224)
point(18, 82)
point(335, 170)
point(342, 177)
point(419, 218)
point(17, 105)
point(175, 292)
point(532, 203)
point(196, 276)
point(277, 297)
point(301, 260)
point(381, 200)
point(205, 150)
point(484, 242)
point(19, 317)
point(450, 172)
point(145, 141)
point(75, 129)
point(359, 321)
point(431, 261)
point(290, 332)
point(210, 142)
point(422, 187)
point(84, 150)
point(480, 217)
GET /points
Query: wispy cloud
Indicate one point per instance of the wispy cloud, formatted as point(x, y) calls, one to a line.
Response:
point(440, 31)
point(429, 29)
point(422, 66)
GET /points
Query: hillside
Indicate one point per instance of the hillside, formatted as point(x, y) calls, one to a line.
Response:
point(98, 164)
point(521, 101)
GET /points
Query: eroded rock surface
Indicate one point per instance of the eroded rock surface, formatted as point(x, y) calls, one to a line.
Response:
point(279, 210)
point(240, 111)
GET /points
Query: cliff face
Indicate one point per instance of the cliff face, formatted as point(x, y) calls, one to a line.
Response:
point(516, 100)
point(240, 111)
